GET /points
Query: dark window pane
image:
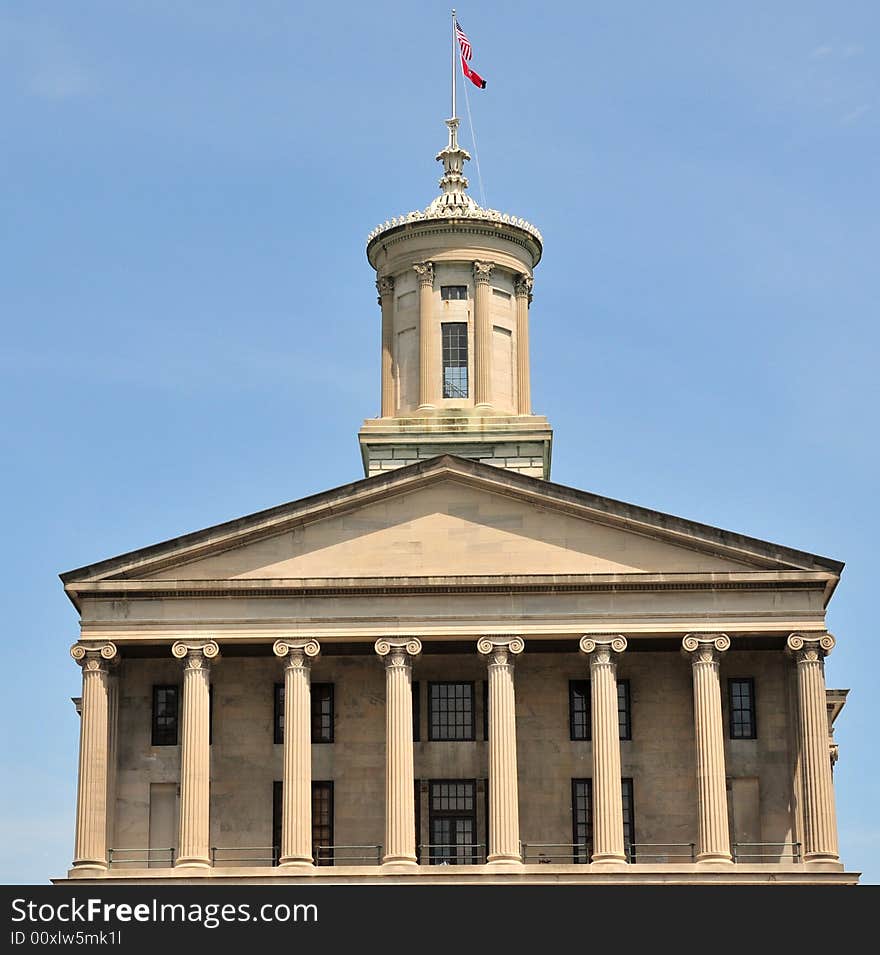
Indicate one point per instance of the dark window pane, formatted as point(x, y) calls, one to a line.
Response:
point(417, 711)
point(629, 819)
point(279, 713)
point(623, 709)
point(582, 818)
point(165, 710)
point(322, 822)
point(452, 822)
point(455, 359)
point(322, 712)
point(453, 293)
point(741, 698)
point(579, 709)
point(451, 711)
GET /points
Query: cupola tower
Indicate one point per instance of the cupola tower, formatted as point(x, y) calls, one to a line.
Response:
point(455, 285)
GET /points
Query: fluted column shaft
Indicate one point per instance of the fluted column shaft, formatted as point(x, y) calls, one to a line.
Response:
point(296, 799)
point(112, 750)
point(608, 841)
point(820, 820)
point(504, 844)
point(427, 392)
point(400, 812)
point(482, 335)
point(194, 831)
point(90, 846)
point(713, 831)
point(523, 289)
point(385, 287)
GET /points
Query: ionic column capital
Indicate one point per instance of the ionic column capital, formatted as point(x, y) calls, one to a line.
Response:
point(100, 657)
point(425, 272)
point(523, 286)
point(705, 647)
point(297, 653)
point(601, 647)
point(195, 655)
point(500, 650)
point(398, 651)
point(810, 647)
point(482, 271)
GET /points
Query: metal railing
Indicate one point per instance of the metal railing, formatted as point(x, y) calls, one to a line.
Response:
point(766, 851)
point(564, 853)
point(662, 852)
point(348, 855)
point(452, 854)
point(141, 857)
point(252, 855)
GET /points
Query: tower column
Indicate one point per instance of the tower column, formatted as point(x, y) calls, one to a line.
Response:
point(400, 808)
point(504, 844)
point(523, 290)
point(820, 827)
point(195, 753)
point(385, 288)
point(714, 836)
point(482, 335)
point(608, 842)
point(427, 392)
point(296, 790)
point(90, 846)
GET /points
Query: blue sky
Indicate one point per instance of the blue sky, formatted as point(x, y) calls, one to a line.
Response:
point(189, 322)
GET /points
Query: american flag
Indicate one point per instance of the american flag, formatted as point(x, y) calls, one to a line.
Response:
point(463, 41)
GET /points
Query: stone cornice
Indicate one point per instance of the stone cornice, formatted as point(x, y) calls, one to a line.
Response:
point(419, 586)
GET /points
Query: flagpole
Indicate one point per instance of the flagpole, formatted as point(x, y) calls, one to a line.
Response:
point(453, 63)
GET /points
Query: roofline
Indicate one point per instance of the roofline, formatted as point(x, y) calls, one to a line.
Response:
point(607, 510)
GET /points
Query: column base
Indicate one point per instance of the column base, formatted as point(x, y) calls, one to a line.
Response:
point(483, 407)
point(823, 861)
point(427, 408)
point(609, 858)
point(714, 858)
point(80, 865)
point(193, 864)
point(399, 864)
point(504, 860)
point(304, 865)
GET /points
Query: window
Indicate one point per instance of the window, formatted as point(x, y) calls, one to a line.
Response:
point(742, 709)
point(322, 713)
point(322, 821)
point(486, 710)
point(417, 711)
point(279, 713)
point(629, 819)
point(453, 293)
point(451, 711)
point(582, 819)
point(452, 822)
point(455, 359)
point(165, 710)
point(580, 718)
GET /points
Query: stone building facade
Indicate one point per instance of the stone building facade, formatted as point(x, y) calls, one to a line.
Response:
point(453, 669)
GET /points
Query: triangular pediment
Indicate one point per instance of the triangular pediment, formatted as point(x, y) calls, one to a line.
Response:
point(446, 517)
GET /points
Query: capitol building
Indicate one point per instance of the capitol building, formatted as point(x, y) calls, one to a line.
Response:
point(453, 670)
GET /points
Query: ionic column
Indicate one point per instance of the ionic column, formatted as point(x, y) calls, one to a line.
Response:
point(385, 288)
point(504, 845)
point(112, 749)
point(523, 290)
point(714, 835)
point(400, 811)
point(820, 821)
point(296, 805)
point(194, 839)
point(90, 847)
point(608, 843)
point(482, 335)
point(425, 273)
